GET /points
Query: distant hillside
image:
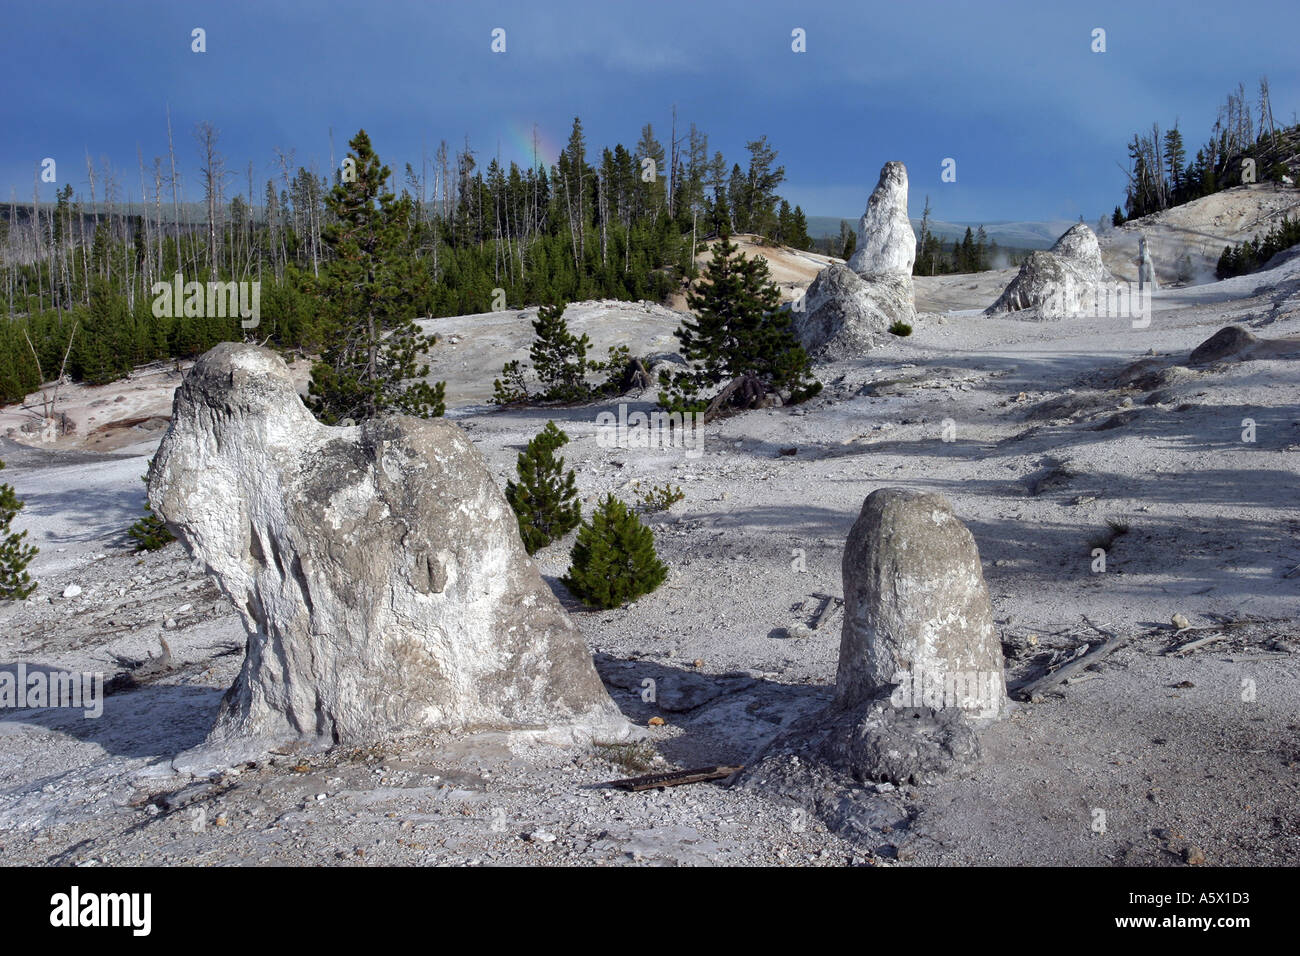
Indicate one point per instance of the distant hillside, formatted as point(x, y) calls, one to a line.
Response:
point(1019, 235)
point(1185, 241)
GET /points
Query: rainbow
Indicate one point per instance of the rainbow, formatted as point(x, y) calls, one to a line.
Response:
point(518, 145)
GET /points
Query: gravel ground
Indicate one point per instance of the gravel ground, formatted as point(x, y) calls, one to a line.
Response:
point(1152, 758)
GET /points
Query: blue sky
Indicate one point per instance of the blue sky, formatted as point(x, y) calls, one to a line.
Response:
point(1035, 120)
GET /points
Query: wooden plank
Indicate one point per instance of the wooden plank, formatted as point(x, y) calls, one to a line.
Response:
point(675, 778)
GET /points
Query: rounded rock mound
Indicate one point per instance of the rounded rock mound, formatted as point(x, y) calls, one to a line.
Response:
point(1060, 282)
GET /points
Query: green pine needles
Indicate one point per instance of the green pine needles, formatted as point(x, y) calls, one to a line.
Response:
point(15, 554)
point(740, 335)
point(561, 365)
point(614, 559)
point(545, 500)
point(149, 532)
point(370, 290)
point(559, 357)
point(1254, 253)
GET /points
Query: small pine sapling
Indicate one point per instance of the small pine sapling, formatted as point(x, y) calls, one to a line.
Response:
point(149, 532)
point(559, 357)
point(510, 389)
point(614, 559)
point(15, 554)
point(658, 497)
point(545, 500)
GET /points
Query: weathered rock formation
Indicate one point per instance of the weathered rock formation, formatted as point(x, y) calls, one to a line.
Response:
point(920, 660)
point(886, 244)
point(848, 308)
point(916, 610)
point(377, 568)
point(845, 315)
point(1058, 283)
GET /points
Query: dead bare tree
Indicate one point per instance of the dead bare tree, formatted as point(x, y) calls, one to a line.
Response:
point(214, 177)
point(50, 401)
point(176, 206)
point(285, 160)
point(36, 235)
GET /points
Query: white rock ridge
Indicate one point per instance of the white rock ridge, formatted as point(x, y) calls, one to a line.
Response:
point(377, 568)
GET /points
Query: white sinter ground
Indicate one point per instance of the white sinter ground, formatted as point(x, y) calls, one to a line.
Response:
point(1053, 436)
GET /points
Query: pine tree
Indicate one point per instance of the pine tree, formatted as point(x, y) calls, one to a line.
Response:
point(758, 192)
point(150, 533)
point(800, 239)
point(546, 498)
point(15, 554)
point(513, 390)
point(848, 240)
point(559, 357)
point(102, 351)
point(966, 254)
point(784, 224)
point(736, 202)
point(738, 332)
point(652, 192)
point(371, 289)
point(1175, 157)
point(614, 559)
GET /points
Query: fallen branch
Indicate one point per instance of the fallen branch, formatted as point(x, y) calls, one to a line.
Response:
point(1080, 678)
point(1194, 645)
point(676, 778)
point(828, 606)
point(1092, 656)
point(1222, 626)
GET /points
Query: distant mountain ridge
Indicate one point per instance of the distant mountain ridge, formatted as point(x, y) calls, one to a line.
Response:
point(1018, 235)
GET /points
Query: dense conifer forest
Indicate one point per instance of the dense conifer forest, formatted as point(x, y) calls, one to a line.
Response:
point(78, 277)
